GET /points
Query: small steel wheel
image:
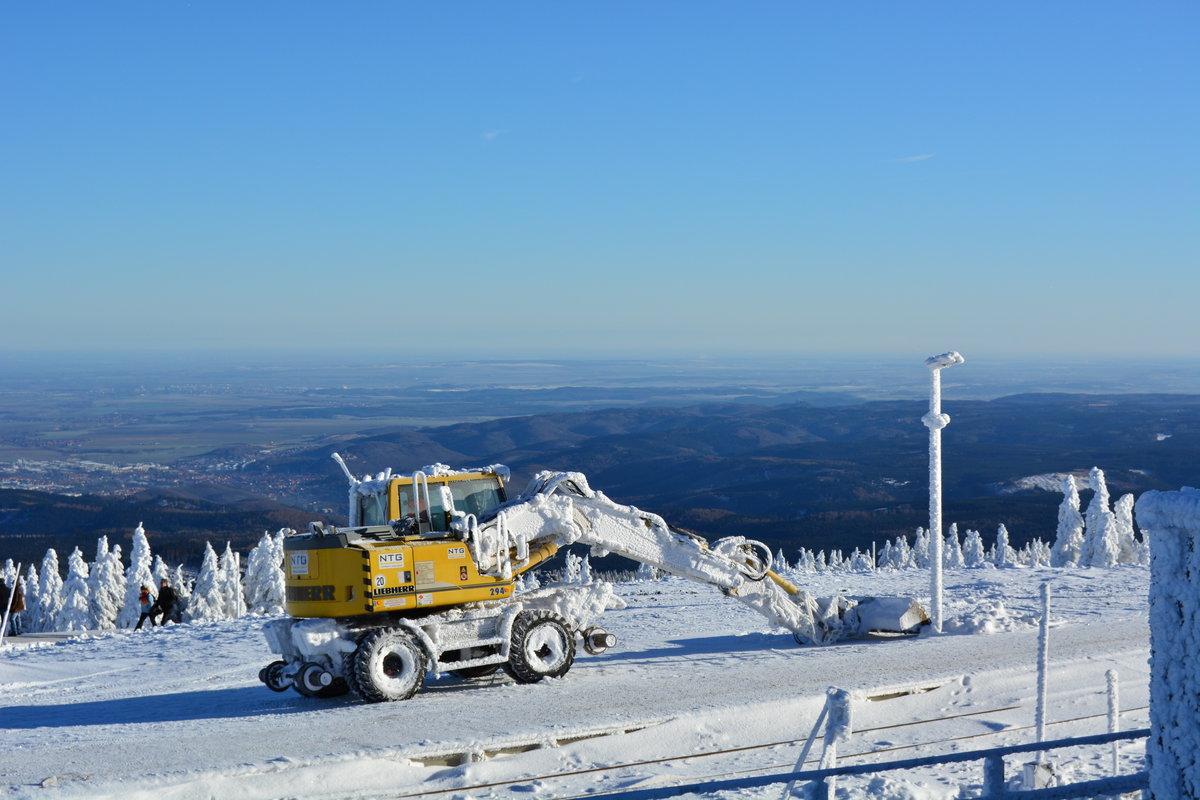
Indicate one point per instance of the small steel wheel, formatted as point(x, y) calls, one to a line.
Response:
point(313, 680)
point(388, 665)
point(272, 676)
point(541, 647)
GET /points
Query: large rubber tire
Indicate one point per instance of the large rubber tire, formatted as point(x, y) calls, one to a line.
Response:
point(388, 665)
point(541, 647)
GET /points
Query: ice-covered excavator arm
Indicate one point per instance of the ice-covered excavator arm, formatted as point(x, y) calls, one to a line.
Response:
point(561, 509)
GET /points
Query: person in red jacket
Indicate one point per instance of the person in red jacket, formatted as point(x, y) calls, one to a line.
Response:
point(146, 604)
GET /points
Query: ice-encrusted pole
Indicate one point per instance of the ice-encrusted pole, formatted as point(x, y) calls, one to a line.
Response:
point(1043, 657)
point(935, 420)
point(1114, 710)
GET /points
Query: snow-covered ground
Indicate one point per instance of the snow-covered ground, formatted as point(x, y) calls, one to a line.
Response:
point(699, 688)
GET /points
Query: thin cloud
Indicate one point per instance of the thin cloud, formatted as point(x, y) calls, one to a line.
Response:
point(491, 136)
point(911, 159)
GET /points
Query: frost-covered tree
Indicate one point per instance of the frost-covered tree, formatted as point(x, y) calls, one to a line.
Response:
point(861, 562)
point(585, 570)
point(50, 598)
point(887, 557)
point(182, 587)
point(106, 585)
point(32, 601)
point(532, 581)
point(76, 612)
point(1100, 545)
point(230, 582)
point(1039, 553)
point(1068, 543)
point(1127, 544)
point(572, 568)
point(952, 554)
point(806, 562)
point(821, 565)
point(920, 549)
point(974, 554)
point(206, 602)
point(137, 575)
point(903, 553)
point(1002, 553)
point(645, 572)
point(160, 571)
point(780, 562)
point(264, 576)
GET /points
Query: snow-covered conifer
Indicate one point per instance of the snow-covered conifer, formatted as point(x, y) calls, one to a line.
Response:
point(264, 578)
point(1100, 545)
point(76, 612)
point(920, 549)
point(50, 598)
point(107, 584)
point(780, 562)
point(206, 602)
point(183, 589)
point(645, 572)
point(585, 570)
point(160, 571)
point(33, 603)
point(904, 553)
point(1127, 546)
point(230, 582)
point(1068, 543)
point(137, 575)
point(952, 554)
point(532, 581)
point(1002, 553)
point(572, 566)
point(861, 562)
point(887, 556)
point(820, 565)
point(974, 555)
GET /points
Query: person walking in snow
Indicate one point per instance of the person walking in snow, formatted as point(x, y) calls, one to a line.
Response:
point(165, 603)
point(146, 604)
point(12, 603)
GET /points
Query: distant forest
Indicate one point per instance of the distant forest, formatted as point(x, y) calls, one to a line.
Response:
point(793, 476)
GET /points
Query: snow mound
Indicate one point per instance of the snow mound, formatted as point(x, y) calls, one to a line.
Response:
point(987, 616)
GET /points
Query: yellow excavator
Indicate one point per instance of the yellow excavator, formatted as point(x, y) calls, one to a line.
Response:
point(425, 577)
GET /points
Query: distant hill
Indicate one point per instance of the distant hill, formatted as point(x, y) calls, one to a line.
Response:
point(177, 521)
point(793, 475)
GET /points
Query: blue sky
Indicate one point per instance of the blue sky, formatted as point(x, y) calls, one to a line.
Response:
point(601, 179)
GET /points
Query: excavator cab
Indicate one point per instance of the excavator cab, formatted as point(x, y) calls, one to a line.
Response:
point(423, 503)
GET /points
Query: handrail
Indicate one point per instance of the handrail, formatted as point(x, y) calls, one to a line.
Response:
point(1122, 783)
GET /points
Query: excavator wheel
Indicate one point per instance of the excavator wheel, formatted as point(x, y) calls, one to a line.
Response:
point(308, 684)
point(272, 676)
point(388, 665)
point(349, 673)
point(542, 647)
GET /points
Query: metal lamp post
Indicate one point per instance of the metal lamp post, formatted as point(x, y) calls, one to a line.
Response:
point(935, 420)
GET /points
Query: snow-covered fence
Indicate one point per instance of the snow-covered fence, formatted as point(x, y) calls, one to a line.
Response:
point(994, 782)
point(1172, 523)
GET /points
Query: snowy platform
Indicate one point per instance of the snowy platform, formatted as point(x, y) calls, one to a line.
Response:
point(699, 687)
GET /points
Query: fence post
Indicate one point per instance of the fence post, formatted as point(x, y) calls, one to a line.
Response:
point(993, 776)
point(1114, 703)
point(812, 737)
